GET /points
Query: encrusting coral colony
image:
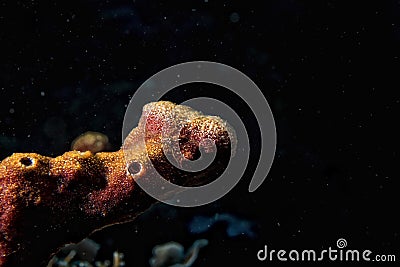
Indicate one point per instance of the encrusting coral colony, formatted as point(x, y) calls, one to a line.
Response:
point(46, 202)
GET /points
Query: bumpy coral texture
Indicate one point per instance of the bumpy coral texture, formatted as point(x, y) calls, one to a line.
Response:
point(46, 202)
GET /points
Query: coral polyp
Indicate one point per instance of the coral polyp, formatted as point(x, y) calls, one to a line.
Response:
point(91, 141)
point(46, 202)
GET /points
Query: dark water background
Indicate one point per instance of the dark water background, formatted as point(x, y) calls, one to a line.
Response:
point(329, 69)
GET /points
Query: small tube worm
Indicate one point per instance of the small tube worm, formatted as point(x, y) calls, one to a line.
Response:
point(47, 202)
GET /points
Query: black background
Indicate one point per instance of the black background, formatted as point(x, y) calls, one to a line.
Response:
point(329, 70)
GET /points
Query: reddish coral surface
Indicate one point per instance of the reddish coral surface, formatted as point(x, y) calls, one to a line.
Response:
point(46, 202)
